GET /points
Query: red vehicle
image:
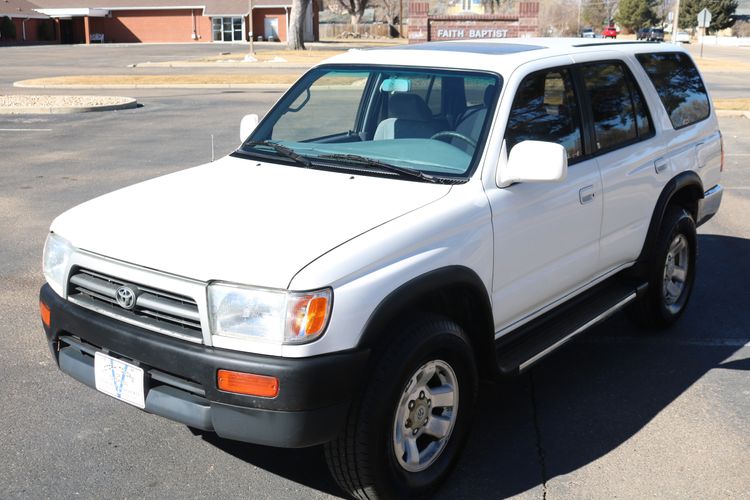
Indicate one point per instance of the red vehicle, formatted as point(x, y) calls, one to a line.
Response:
point(609, 32)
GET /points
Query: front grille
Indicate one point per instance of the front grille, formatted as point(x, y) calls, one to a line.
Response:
point(156, 310)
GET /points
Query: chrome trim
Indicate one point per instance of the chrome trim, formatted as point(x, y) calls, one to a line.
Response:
point(130, 321)
point(709, 205)
point(601, 317)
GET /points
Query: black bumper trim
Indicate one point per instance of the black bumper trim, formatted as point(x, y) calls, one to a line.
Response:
point(311, 408)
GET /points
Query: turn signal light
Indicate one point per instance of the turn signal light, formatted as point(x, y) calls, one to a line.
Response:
point(247, 383)
point(45, 313)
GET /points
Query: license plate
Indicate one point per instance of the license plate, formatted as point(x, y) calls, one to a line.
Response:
point(119, 379)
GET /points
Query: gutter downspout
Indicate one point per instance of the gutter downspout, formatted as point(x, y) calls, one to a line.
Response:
point(192, 14)
point(23, 28)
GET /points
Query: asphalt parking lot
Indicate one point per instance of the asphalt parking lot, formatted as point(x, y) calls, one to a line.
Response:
point(615, 414)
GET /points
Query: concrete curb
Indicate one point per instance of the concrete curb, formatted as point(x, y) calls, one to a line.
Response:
point(62, 110)
point(234, 64)
point(733, 112)
point(256, 86)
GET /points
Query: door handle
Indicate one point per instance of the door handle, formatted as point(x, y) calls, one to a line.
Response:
point(586, 195)
point(660, 165)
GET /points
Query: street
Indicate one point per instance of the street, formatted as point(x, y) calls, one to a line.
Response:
point(615, 414)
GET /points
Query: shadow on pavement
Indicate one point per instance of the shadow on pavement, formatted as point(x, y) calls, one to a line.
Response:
point(583, 402)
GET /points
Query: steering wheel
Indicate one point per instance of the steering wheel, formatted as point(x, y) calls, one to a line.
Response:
point(450, 133)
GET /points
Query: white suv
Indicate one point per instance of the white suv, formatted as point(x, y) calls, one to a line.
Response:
point(401, 223)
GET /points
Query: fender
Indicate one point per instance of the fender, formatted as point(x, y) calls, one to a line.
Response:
point(688, 187)
point(405, 298)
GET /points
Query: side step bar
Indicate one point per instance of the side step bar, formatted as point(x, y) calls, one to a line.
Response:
point(519, 350)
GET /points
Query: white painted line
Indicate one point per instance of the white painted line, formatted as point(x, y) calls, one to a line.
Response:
point(736, 154)
point(25, 130)
point(717, 342)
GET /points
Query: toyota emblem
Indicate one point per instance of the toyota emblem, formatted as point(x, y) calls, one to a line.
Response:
point(126, 297)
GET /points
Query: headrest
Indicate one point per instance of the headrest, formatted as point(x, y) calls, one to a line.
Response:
point(408, 106)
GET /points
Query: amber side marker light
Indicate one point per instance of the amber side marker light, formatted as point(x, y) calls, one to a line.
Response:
point(247, 383)
point(45, 313)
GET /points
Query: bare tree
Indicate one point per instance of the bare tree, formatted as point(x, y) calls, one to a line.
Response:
point(355, 8)
point(296, 35)
point(391, 9)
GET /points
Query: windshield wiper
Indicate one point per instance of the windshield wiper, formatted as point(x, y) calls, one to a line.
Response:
point(408, 172)
point(284, 151)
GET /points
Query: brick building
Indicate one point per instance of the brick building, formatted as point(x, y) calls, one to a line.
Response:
point(28, 24)
point(130, 21)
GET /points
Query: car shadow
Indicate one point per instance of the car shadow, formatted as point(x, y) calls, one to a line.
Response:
point(582, 402)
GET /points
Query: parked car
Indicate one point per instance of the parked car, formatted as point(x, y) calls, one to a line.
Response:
point(400, 224)
point(650, 34)
point(609, 32)
point(588, 33)
point(682, 37)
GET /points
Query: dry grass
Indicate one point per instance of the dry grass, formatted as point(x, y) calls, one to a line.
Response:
point(741, 104)
point(291, 56)
point(722, 66)
point(165, 80)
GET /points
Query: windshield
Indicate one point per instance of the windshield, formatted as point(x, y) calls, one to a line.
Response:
point(430, 124)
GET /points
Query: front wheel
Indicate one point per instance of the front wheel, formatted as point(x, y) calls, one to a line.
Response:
point(671, 272)
point(405, 432)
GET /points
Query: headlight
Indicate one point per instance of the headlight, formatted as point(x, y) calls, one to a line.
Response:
point(57, 253)
point(268, 315)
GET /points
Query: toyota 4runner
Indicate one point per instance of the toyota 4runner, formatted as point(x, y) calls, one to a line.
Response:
point(400, 224)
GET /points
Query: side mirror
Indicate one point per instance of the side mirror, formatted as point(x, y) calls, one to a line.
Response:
point(534, 161)
point(247, 125)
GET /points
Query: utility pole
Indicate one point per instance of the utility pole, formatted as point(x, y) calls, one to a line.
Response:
point(675, 21)
point(250, 28)
point(401, 18)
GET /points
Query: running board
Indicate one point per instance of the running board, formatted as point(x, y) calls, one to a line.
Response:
point(519, 350)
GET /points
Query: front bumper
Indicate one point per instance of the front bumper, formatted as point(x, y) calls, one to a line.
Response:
point(709, 205)
point(314, 393)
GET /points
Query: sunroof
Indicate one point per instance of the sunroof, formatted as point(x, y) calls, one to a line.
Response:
point(473, 47)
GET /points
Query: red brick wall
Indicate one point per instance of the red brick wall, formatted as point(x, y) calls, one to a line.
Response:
point(152, 26)
point(423, 27)
point(473, 27)
point(32, 30)
point(259, 16)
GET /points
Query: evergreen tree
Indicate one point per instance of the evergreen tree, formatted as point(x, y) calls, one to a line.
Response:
point(722, 13)
point(635, 14)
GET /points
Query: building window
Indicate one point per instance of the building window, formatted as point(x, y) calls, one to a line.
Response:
point(228, 29)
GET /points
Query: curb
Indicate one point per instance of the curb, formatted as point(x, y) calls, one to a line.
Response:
point(130, 104)
point(234, 64)
point(733, 112)
point(257, 86)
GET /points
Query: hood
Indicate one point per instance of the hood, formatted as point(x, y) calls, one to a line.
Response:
point(238, 220)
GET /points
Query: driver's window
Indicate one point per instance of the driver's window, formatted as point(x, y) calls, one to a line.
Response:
point(545, 109)
point(339, 91)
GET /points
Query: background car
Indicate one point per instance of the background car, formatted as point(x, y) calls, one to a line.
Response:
point(682, 37)
point(588, 33)
point(609, 32)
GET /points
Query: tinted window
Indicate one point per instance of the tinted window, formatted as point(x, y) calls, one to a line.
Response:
point(679, 86)
point(545, 109)
point(618, 110)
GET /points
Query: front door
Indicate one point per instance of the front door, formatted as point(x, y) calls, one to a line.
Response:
point(546, 235)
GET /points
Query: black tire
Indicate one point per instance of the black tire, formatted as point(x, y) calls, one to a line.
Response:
point(363, 460)
point(662, 304)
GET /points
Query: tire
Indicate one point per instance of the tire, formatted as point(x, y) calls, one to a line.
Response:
point(423, 385)
point(670, 272)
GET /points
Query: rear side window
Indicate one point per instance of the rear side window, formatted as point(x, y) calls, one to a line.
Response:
point(679, 86)
point(618, 109)
point(545, 109)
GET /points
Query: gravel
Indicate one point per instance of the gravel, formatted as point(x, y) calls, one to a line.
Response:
point(56, 104)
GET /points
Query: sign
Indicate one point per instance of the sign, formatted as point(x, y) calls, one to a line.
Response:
point(704, 18)
point(462, 33)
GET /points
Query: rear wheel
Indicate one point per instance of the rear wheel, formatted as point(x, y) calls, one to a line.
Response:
point(405, 432)
point(670, 273)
